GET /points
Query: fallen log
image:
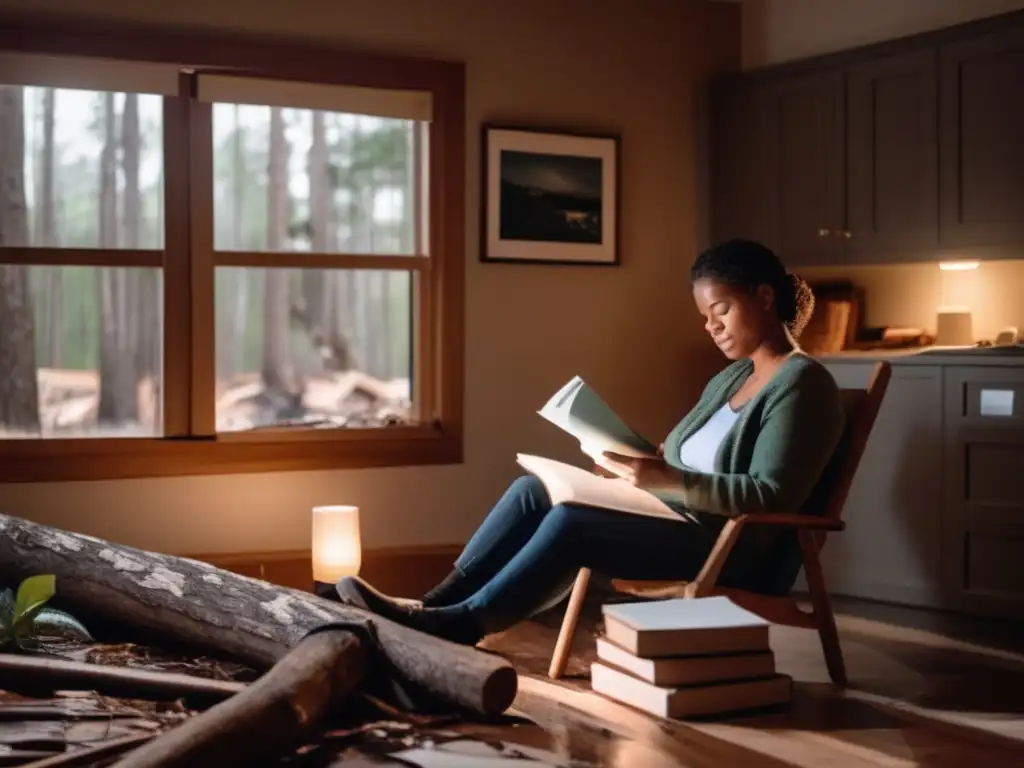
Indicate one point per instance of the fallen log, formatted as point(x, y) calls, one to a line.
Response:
point(32, 672)
point(182, 600)
point(271, 716)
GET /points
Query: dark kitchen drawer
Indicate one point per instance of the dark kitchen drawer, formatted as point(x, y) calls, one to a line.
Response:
point(985, 396)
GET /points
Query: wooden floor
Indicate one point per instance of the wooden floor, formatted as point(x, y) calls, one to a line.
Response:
point(923, 692)
point(926, 690)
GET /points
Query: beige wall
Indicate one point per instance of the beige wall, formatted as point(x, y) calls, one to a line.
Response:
point(631, 331)
point(780, 30)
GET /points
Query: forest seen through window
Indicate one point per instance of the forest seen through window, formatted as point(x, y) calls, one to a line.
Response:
point(82, 346)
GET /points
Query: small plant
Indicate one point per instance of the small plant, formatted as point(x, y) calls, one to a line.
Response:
point(23, 619)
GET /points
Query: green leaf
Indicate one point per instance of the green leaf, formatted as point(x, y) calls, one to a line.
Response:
point(33, 594)
point(51, 621)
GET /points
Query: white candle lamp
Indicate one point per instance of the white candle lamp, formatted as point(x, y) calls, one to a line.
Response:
point(337, 551)
point(954, 323)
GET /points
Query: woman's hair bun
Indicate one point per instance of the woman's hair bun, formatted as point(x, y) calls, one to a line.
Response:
point(800, 305)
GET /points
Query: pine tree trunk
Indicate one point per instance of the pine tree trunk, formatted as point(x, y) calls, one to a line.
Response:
point(131, 140)
point(141, 334)
point(48, 233)
point(316, 308)
point(19, 387)
point(55, 321)
point(386, 326)
point(275, 297)
point(109, 405)
point(231, 295)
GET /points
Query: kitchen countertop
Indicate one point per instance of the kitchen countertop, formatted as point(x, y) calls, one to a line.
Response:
point(961, 356)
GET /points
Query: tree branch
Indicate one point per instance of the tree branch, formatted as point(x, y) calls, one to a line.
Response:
point(271, 716)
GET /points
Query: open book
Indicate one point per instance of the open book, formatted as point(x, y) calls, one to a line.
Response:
point(577, 409)
point(567, 484)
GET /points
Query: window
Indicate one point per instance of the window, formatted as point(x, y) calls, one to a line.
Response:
point(211, 266)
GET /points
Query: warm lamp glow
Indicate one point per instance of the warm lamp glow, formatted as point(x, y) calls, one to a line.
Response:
point(959, 286)
point(959, 297)
point(337, 551)
point(958, 266)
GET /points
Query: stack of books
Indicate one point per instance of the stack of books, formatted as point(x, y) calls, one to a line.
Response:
point(687, 658)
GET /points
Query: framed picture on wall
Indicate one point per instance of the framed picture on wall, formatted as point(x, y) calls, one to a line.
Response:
point(549, 197)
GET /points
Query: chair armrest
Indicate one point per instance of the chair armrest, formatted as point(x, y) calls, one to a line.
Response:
point(811, 522)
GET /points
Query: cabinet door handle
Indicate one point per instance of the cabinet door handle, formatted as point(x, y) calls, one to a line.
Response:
point(847, 234)
point(823, 232)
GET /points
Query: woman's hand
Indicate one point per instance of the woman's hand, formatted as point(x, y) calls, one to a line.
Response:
point(643, 473)
point(614, 465)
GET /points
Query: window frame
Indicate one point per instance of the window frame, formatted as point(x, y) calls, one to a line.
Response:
point(190, 445)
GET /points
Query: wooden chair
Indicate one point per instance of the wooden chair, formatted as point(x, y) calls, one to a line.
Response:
point(822, 513)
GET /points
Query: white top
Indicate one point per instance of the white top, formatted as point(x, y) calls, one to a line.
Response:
point(699, 450)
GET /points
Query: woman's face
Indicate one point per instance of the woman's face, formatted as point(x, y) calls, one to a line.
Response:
point(738, 321)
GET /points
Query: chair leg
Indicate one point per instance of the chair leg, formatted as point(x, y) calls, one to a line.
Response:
point(572, 616)
point(823, 614)
point(704, 584)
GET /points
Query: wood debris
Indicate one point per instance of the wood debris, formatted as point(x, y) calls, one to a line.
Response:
point(69, 403)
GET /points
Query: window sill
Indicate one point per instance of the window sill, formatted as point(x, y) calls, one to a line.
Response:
point(78, 459)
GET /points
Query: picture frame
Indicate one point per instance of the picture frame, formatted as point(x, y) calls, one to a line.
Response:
point(549, 196)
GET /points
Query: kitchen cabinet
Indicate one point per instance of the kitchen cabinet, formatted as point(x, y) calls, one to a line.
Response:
point(894, 153)
point(984, 490)
point(846, 161)
point(982, 141)
point(744, 173)
point(891, 548)
point(778, 166)
point(809, 152)
point(892, 147)
point(935, 514)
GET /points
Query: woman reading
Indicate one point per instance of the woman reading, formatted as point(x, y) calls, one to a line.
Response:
point(757, 441)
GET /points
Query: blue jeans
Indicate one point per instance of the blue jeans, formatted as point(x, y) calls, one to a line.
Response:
point(527, 552)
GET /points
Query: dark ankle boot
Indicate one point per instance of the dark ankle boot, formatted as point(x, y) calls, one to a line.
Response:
point(457, 627)
point(354, 591)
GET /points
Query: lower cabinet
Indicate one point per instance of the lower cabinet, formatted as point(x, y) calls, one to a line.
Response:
point(891, 549)
point(983, 542)
point(935, 515)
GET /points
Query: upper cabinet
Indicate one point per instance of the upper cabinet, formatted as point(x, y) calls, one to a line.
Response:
point(743, 169)
point(778, 159)
point(890, 154)
point(892, 177)
point(982, 141)
point(810, 163)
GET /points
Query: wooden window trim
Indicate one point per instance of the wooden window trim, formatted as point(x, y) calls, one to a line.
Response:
point(185, 449)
